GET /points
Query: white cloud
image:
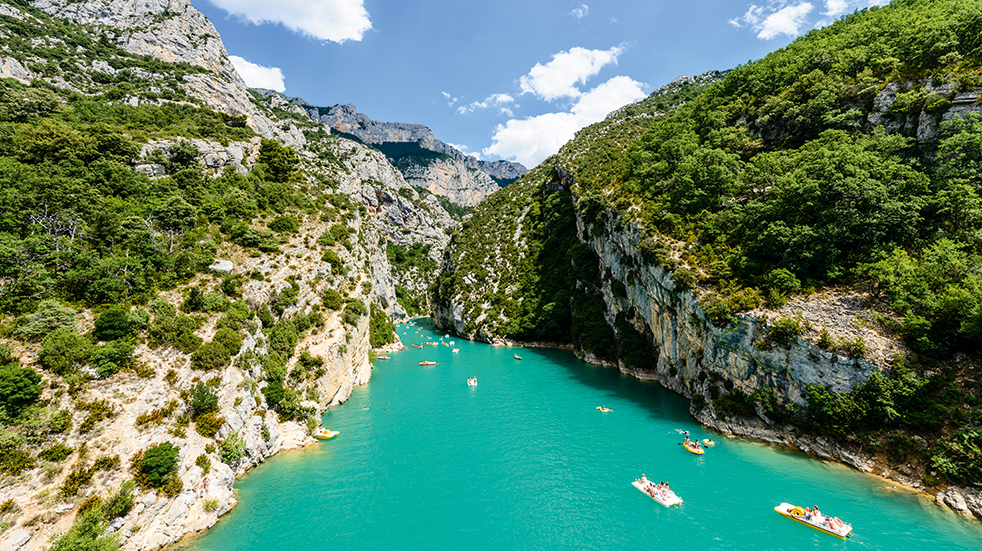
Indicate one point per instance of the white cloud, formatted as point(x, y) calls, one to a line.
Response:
point(558, 78)
point(531, 140)
point(779, 17)
point(836, 7)
point(499, 101)
point(333, 20)
point(450, 99)
point(257, 76)
point(580, 12)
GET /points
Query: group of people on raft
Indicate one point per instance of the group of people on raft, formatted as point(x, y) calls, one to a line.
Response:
point(813, 515)
point(694, 443)
point(660, 490)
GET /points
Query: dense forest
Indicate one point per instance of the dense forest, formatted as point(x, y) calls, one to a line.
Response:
point(848, 160)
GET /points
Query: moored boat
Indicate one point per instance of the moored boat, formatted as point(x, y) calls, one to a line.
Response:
point(830, 525)
point(321, 433)
point(382, 357)
point(664, 496)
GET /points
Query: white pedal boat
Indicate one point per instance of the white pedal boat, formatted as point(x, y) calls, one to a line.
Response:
point(667, 500)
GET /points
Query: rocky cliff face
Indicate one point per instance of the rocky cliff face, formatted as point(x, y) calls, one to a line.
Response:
point(383, 209)
point(173, 30)
point(345, 118)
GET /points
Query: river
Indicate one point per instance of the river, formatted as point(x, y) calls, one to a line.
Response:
point(525, 461)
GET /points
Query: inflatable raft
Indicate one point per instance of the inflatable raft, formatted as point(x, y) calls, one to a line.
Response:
point(648, 488)
point(693, 447)
point(830, 525)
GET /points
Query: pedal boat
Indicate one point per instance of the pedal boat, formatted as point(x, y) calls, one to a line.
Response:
point(604, 409)
point(693, 447)
point(669, 499)
point(790, 511)
point(324, 434)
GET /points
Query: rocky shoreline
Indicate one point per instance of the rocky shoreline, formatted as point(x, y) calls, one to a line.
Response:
point(967, 501)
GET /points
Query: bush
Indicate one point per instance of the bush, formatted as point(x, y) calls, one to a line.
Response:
point(332, 258)
point(785, 330)
point(204, 462)
point(353, 311)
point(50, 316)
point(333, 300)
point(212, 355)
point(56, 453)
point(157, 464)
point(201, 400)
point(19, 388)
point(64, 351)
point(230, 339)
point(380, 329)
point(285, 223)
point(113, 323)
point(210, 504)
point(232, 448)
point(209, 424)
point(112, 356)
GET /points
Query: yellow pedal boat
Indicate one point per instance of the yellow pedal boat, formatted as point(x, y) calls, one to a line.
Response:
point(830, 525)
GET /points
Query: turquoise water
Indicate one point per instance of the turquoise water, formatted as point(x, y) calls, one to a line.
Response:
point(525, 461)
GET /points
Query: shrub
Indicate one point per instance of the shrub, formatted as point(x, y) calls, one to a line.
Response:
point(209, 424)
point(332, 258)
point(380, 329)
point(56, 453)
point(64, 351)
point(230, 339)
point(202, 400)
point(157, 464)
point(353, 311)
point(113, 323)
point(112, 356)
point(333, 300)
point(50, 316)
point(210, 504)
point(204, 462)
point(19, 388)
point(785, 330)
point(285, 223)
point(75, 480)
point(211, 355)
point(232, 448)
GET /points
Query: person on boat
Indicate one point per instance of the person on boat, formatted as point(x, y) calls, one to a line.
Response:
point(817, 515)
point(835, 524)
point(808, 513)
point(686, 440)
point(644, 479)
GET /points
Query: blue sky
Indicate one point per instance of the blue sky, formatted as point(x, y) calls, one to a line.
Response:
point(510, 79)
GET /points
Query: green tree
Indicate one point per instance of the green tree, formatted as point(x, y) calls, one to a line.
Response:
point(158, 463)
point(19, 388)
point(64, 351)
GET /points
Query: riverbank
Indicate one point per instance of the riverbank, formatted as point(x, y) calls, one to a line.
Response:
point(967, 501)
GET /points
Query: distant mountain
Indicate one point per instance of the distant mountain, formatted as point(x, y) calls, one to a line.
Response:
point(345, 120)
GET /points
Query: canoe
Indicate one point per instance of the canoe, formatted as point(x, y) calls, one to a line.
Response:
point(668, 500)
point(693, 447)
point(789, 511)
point(324, 434)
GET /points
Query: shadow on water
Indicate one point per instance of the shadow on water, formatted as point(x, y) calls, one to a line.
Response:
point(659, 402)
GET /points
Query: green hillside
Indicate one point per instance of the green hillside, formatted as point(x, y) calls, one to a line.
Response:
point(848, 160)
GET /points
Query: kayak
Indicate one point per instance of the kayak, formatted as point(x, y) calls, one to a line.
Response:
point(324, 434)
point(693, 447)
point(830, 525)
point(668, 499)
